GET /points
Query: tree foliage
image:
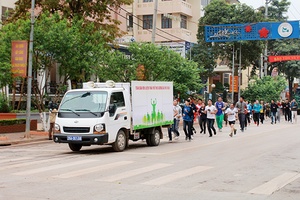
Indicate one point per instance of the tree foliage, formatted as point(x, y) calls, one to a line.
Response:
point(268, 88)
point(75, 47)
point(291, 69)
point(96, 12)
point(221, 12)
point(159, 64)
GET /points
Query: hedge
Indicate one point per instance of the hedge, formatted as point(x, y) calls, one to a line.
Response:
point(7, 122)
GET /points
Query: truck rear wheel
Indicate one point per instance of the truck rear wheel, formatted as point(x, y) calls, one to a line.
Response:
point(75, 147)
point(155, 138)
point(120, 143)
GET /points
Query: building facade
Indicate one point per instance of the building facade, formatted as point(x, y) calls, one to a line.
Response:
point(6, 7)
point(176, 22)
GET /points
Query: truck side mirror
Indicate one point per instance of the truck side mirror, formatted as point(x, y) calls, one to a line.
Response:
point(112, 109)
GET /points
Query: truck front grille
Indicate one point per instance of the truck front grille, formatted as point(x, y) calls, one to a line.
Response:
point(76, 129)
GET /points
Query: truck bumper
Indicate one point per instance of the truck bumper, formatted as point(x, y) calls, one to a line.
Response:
point(89, 139)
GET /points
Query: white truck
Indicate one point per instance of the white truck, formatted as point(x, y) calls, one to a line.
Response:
point(108, 113)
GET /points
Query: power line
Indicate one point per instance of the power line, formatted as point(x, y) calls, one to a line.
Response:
point(148, 24)
point(150, 30)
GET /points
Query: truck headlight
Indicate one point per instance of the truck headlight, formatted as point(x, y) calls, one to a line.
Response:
point(57, 128)
point(99, 129)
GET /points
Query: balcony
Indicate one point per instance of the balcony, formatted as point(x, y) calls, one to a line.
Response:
point(146, 36)
point(165, 6)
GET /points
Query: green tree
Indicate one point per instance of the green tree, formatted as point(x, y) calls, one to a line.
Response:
point(96, 12)
point(276, 12)
point(266, 89)
point(221, 12)
point(76, 48)
point(291, 69)
point(159, 64)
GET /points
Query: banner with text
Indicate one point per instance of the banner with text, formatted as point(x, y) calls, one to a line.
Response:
point(283, 58)
point(253, 31)
point(19, 51)
point(235, 84)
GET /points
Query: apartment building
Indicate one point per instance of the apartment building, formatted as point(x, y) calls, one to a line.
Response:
point(6, 7)
point(176, 22)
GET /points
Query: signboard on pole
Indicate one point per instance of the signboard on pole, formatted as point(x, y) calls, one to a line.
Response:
point(235, 84)
point(19, 52)
point(253, 31)
point(283, 58)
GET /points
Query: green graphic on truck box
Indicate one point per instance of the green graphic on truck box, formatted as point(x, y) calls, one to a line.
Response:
point(153, 119)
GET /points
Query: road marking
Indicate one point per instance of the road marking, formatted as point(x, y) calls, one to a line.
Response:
point(15, 159)
point(93, 169)
point(134, 172)
point(177, 175)
point(30, 163)
point(275, 184)
point(53, 167)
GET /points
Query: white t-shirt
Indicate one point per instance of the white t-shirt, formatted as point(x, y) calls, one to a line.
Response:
point(231, 113)
point(209, 110)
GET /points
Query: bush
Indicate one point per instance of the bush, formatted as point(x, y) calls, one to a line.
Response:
point(4, 107)
point(8, 122)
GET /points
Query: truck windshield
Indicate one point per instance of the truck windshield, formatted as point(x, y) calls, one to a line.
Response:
point(83, 104)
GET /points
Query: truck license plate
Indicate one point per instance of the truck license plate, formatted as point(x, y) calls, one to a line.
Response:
point(74, 138)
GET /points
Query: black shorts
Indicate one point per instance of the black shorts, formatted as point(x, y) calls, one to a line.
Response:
point(231, 122)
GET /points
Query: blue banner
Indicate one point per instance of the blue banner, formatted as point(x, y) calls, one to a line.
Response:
point(253, 31)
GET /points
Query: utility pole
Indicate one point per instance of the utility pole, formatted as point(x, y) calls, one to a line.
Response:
point(154, 21)
point(266, 43)
point(232, 76)
point(240, 69)
point(29, 74)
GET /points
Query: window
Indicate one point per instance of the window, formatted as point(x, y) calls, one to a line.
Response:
point(117, 98)
point(6, 13)
point(166, 21)
point(226, 78)
point(147, 0)
point(129, 22)
point(116, 101)
point(147, 21)
point(183, 22)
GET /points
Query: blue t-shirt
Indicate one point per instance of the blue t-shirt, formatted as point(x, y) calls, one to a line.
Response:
point(186, 111)
point(219, 106)
point(257, 107)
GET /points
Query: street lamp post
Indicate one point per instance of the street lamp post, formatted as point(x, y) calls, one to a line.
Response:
point(266, 43)
point(29, 75)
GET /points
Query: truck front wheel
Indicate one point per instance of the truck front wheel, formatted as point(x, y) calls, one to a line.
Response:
point(155, 138)
point(120, 143)
point(75, 147)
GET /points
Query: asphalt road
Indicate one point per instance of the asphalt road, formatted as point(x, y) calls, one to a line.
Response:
point(263, 163)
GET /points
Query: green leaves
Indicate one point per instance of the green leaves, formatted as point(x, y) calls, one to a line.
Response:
point(159, 64)
point(220, 12)
point(268, 88)
point(95, 12)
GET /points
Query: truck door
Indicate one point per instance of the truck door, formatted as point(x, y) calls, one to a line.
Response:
point(118, 114)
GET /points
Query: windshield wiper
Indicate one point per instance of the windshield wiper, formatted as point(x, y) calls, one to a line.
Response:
point(87, 111)
point(66, 109)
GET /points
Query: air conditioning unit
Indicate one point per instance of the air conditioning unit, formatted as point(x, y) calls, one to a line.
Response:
point(129, 29)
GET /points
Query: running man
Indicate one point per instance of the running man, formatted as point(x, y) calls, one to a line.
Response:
point(231, 113)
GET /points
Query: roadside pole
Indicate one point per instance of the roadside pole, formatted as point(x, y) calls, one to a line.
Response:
point(232, 76)
point(29, 74)
point(154, 21)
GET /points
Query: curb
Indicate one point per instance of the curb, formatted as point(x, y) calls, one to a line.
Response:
point(8, 142)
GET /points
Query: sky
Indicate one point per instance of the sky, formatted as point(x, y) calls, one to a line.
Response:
point(293, 12)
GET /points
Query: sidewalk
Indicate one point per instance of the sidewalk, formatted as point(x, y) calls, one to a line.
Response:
point(17, 138)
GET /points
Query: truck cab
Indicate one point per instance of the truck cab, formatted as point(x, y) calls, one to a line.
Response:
point(94, 115)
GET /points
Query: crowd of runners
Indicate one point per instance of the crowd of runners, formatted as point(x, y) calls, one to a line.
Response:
point(206, 115)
